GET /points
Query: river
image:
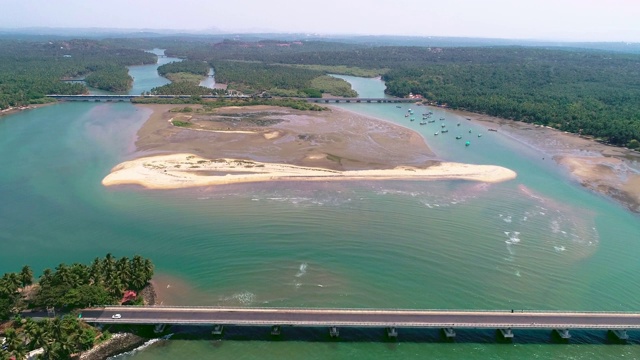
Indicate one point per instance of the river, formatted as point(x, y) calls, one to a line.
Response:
point(538, 242)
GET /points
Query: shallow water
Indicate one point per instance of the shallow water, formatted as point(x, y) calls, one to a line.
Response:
point(538, 242)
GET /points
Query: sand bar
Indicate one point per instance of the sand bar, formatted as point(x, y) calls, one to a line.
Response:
point(177, 171)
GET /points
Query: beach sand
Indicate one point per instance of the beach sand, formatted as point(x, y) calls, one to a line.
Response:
point(609, 170)
point(177, 171)
point(266, 143)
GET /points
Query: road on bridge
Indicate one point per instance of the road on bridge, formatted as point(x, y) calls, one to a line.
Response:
point(362, 318)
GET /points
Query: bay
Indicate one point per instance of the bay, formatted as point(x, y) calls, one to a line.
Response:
point(538, 242)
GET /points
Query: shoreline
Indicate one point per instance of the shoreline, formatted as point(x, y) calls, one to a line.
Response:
point(15, 110)
point(178, 171)
point(604, 169)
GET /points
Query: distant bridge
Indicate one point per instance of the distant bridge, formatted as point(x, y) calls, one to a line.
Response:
point(122, 98)
point(447, 320)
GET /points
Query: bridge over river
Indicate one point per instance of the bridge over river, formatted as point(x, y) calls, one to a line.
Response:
point(447, 320)
point(123, 98)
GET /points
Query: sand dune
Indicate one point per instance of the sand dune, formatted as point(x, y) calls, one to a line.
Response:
point(178, 171)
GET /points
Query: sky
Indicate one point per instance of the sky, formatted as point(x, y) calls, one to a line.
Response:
point(565, 20)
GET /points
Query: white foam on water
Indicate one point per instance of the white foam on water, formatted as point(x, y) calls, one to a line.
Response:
point(517, 273)
point(140, 348)
point(507, 219)
point(559, 248)
point(513, 239)
point(302, 270)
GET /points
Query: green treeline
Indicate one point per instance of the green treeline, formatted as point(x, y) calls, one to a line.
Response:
point(186, 66)
point(277, 80)
point(67, 287)
point(58, 337)
point(30, 70)
point(182, 88)
point(111, 78)
point(103, 282)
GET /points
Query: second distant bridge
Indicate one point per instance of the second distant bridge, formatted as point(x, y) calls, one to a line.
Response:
point(123, 98)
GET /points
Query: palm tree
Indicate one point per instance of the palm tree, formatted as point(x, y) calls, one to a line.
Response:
point(26, 276)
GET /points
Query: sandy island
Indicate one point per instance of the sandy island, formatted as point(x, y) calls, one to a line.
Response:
point(187, 170)
point(266, 143)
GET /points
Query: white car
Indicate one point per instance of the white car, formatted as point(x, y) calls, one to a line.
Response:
point(116, 316)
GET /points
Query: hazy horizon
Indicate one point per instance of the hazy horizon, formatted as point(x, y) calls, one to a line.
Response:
point(559, 20)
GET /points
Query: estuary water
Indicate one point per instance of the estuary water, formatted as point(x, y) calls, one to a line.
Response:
point(538, 242)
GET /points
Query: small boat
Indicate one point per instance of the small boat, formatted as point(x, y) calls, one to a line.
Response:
point(458, 137)
point(443, 125)
point(423, 123)
point(479, 135)
point(436, 133)
point(413, 119)
point(398, 106)
point(431, 121)
point(406, 115)
point(458, 124)
point(441, 119)
point(493, 130)
point(445, 131)
point(467, 143)
point(469, 131)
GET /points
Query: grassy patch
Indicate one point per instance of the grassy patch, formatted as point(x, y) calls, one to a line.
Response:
point(181, 123)
point(333, 86)
point(192, 79)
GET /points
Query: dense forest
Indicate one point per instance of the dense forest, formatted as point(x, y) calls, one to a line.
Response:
point(186, 66)
point(111, 78)
point(589, 92)
point(277, 80)
point(30, 70)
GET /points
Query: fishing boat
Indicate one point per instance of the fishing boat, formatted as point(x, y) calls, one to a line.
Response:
point(398, 106)
point(443, 125)
point(469, 131)
point(458, 124)
point(431, 121)
point(406, 115)
point(493, 130)
point(423, 122)
point(413, 119)
point(436, 133)
point(458, 137)
point(479, 135)
point(441, 119)
point(467, 143)
point(445, 131)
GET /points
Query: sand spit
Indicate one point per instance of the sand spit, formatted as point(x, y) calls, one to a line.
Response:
point(178, 171)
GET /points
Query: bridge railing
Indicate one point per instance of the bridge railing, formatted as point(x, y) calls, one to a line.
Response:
point(505, 311)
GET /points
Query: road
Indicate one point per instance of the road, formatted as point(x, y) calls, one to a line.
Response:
point(363, 318)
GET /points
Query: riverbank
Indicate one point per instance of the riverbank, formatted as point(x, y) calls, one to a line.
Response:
point(13, 110)
point(609, 170)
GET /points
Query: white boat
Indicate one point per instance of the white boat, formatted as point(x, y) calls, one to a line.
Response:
point(436, 133)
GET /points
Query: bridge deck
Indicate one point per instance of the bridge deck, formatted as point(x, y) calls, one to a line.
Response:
point(315, 100)
point(363, 318)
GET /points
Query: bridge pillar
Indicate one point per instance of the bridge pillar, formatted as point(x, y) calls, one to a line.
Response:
point(620, 334)
point(275, 330)
point(334, 332)
point(392, 333)
point(506, 333)
point(563, 333)
point(159, 328)
point(449, 333)
point(217, 330)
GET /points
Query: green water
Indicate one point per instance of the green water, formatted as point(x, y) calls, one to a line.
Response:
point(538, 242)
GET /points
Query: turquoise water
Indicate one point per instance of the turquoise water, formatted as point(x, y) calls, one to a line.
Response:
point(538, 242)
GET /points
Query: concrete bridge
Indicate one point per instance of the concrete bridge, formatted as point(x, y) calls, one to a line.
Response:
point(122, 98)
point(447, 320)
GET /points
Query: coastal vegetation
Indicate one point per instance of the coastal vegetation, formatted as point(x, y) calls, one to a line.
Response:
point(187, 66)
point(31, 70)
point(105, 281)
point(111, 78)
